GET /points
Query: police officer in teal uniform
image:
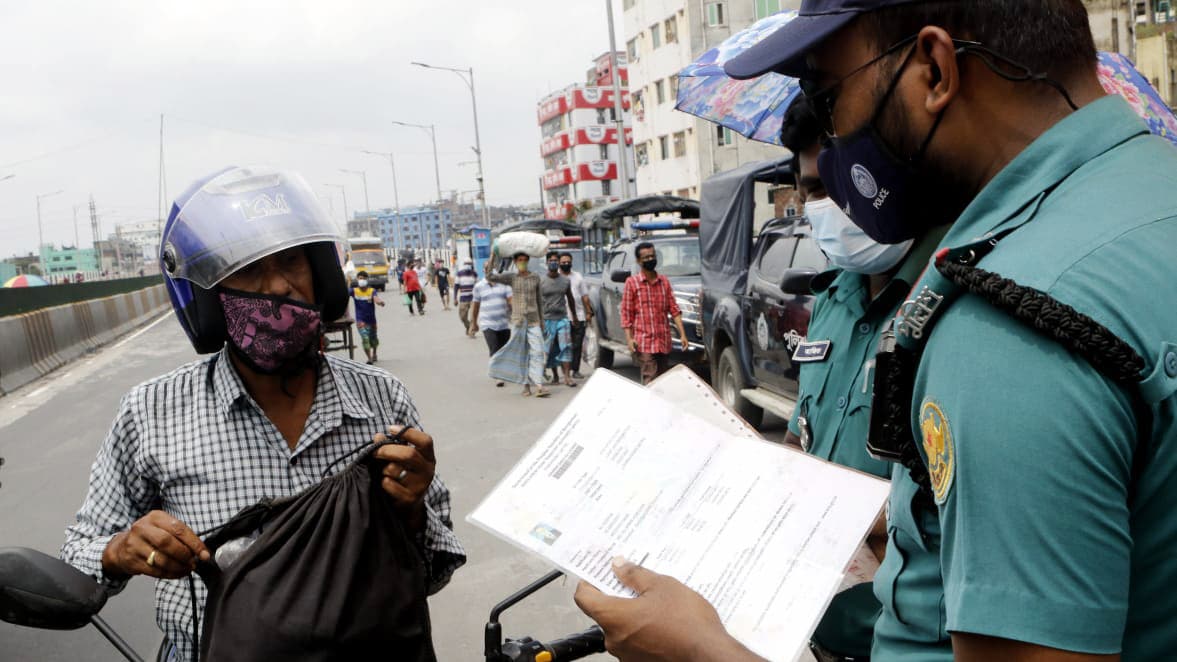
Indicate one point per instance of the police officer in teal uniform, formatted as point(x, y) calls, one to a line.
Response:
point(855, 298)
point(1030, 513)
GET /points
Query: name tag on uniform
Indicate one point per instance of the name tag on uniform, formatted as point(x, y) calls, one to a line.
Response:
point(812, 352)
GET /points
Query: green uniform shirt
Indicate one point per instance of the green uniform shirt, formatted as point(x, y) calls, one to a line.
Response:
point(1043, 531)
point(834, 393)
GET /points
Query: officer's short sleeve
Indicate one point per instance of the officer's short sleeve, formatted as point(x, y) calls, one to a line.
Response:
point(1030, 454)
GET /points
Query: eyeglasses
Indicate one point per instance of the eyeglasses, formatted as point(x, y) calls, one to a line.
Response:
point(823, 100)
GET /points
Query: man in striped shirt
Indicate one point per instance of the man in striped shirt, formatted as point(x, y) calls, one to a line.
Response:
point(492, 313)
point(464, 295)
point(647, 301)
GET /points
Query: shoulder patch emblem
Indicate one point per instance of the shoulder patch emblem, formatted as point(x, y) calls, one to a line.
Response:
point(939, 448)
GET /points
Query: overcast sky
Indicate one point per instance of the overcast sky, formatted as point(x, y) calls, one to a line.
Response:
point(85, 83)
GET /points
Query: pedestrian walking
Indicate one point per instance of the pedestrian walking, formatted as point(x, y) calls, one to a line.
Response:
point(647, 303)
point(464, 284)
point(558, 302)
point(366, 300)
point(414, 293)
point(400, 275)
point(583, 311)
point(441, 277)
point(491, 312)
point(521, 360)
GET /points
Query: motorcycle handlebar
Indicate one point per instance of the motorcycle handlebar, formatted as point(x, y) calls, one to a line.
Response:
point(577, 646)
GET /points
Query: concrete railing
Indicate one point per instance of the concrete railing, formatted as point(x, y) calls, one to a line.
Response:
point(37, 343)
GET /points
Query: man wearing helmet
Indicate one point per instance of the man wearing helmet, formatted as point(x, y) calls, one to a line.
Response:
point(252, 268)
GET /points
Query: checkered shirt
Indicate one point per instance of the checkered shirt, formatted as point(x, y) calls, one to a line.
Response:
point(527, 302)
point(644, 308)
point(195, 444)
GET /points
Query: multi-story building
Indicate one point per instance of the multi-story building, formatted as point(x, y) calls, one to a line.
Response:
point(123, 257)
point(580, 144)
point(675, 151)
point(69, 260)
point(416, 228)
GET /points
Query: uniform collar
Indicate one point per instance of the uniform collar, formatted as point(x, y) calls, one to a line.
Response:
point(1096, 128)
point(330, 394)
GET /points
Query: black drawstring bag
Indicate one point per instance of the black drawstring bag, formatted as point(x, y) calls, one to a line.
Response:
point(332, 576)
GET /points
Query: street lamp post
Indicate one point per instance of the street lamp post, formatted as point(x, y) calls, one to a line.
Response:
point(445, 230)
point(363, 176)
point(396, 200)
point(618, 108)
point(40, 231)
point(463, 73)
point(343, 190)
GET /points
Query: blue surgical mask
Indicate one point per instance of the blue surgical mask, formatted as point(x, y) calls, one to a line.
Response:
point(889, 197)
point(846, 245)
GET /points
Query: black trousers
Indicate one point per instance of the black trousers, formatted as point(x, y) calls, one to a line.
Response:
point(578, 329)
point(496, 339)
point(419, 297)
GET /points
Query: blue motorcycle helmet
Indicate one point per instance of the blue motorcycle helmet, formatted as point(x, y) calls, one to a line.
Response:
point(232, 218)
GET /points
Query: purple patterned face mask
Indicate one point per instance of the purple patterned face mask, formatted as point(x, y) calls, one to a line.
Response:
point(269, 331)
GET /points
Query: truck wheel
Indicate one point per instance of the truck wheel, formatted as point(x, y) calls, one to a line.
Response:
point(604, 357)
point(729, 381)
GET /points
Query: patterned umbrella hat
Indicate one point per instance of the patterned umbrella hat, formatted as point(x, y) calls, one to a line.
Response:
point(26, 280)
point(755, 108)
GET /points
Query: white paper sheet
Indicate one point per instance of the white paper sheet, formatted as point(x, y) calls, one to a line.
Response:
point(762, 531)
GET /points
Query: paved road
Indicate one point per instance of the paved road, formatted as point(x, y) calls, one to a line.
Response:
point(50, 431)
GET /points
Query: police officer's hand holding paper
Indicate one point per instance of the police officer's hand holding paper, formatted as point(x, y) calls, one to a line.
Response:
point(1040, 344)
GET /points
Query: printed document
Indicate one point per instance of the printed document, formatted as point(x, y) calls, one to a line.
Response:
point(762, 531)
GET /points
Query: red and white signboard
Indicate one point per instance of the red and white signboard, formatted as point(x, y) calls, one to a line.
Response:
point(556, 143)
point(595, 171)
point(560, 177)
point(552, 107)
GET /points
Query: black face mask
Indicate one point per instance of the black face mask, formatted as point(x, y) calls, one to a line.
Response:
point(566, 268)
point(895, 198)
point(650, 264)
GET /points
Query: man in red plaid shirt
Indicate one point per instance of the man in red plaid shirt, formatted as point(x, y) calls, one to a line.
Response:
point(647, 301)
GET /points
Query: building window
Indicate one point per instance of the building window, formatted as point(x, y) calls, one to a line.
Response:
point(766, 8)
point(680, 144)
point(655, 35)
point(642, 154)
point(631, 49)
point(671, 28)
point(660, 92)
point(628, 4)
point(673, 88)
point(606, 187)
point(715, 14)
point(600, 116)
point(664, 147)
point(723, 136)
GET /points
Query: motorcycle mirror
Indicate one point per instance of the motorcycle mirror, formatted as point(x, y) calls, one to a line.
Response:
point(798, 281)
point(40, 591)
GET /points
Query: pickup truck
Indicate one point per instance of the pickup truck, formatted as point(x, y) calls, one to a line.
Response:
point(756, 300)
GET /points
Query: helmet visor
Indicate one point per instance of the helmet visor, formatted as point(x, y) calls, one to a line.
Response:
point(239, 217)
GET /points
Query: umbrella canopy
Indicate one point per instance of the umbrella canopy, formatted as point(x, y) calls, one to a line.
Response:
point(756, 108)
point(1118, 76)
point(26, 280)
point(752, 108)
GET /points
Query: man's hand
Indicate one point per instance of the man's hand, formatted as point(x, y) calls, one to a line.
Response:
point(156, 545)
point(667, 621)
point(633, 345)
point(409, 471)
point(473, 328)
point(686, 343)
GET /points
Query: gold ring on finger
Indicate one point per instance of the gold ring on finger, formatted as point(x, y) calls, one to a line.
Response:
point(151, 559)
